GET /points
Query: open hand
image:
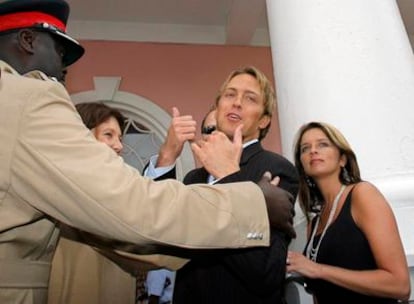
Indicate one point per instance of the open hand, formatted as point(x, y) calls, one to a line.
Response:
point(280, 205)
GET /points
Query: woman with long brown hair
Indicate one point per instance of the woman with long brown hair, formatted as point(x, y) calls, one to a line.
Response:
point(354, 252)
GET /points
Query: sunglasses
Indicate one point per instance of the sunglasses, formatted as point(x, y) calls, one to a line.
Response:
point(208, 130)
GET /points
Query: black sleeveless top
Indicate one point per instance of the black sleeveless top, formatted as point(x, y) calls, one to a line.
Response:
point(344, 245)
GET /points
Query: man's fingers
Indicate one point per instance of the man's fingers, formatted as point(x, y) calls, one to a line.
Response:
point(195, 148)
point(267, 176)
point(175, 112)
point(275, 181)
point(237, 136)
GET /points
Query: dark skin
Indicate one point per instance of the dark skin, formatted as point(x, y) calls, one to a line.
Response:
point(27, 50)
point(279, 204)
point(153, 299)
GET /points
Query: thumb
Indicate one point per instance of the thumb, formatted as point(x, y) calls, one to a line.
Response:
point(237, 136)
point(196, 150)
point(175, 112)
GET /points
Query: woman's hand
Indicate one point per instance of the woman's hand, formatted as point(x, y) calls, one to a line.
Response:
point(297, 262)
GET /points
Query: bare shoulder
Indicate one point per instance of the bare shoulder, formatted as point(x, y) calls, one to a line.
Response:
point(368, 201)
point(365, 191)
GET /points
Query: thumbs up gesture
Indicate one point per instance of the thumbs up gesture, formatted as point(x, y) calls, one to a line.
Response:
point(182, 128)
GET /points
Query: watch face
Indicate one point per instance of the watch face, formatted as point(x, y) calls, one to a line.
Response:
point(208, 129)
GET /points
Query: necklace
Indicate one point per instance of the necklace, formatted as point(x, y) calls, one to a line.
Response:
point(312, 252)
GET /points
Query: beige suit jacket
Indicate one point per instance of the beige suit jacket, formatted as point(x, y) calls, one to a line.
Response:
point(52, 169)
point(81, 275)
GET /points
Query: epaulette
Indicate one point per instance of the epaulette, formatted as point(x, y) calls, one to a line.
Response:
point(39, 75)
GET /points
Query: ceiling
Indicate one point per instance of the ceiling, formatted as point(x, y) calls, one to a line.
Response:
point(235, 22)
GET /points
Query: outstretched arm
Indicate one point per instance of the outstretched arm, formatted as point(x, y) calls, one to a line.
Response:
point(220, 156)
point(89, 187)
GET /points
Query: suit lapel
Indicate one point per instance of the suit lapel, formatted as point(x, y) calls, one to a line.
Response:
point(202, 176)
point(249, 152)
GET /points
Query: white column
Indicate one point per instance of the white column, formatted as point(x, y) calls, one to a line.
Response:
point(350, 63)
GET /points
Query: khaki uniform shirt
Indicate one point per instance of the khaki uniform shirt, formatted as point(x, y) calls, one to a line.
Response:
point(82, 275)
point(52, 170)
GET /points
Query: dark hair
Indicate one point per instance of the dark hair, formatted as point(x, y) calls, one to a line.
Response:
point(95, 113)
point(309, 194)
point(208, 129)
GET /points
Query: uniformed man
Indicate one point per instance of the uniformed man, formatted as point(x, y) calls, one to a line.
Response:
point(52, 169)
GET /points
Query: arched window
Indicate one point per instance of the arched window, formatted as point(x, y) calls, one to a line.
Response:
point(147, 123)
